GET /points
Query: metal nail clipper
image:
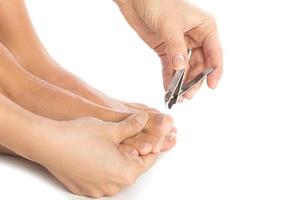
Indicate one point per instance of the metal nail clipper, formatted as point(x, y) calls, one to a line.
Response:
point(177, 88)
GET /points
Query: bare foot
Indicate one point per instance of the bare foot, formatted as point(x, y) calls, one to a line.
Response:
point(27, 49)
point(60, 104)
point(159, 132)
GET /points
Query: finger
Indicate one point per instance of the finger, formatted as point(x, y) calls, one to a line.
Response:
point(213, 57)
point(190, 43)
point(128, 149)
point(148, 161)
point(148, 137)
point(192, 92)
point(156, 140)
point(174, 41)
point(167, 71)
point(206, 35)
point(140, 145)
point(130, 126)
point(197, 64)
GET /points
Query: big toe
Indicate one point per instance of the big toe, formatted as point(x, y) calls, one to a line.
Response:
point(160, 123)
point(170, 140)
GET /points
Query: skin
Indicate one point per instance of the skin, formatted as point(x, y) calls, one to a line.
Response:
point(52, 81)
point(170, 27)
point(108, 167)
point(14, 20)
point(60, 104)
point(35, 72)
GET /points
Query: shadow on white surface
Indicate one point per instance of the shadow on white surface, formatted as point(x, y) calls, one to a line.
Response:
point(30, 168)
point(36, 171)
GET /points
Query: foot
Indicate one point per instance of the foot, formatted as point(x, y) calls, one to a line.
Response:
point(160, 132)
point(159, 135)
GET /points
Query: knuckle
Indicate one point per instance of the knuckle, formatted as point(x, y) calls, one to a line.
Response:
point(111, 190)
point(218, 75)
point(134, 125)
point(95, 194)
point(216, 60)
point(128, 178)
point(209, 25)
point(75, 190)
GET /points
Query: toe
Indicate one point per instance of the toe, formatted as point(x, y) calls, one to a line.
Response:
point(168, 145)
point(159, 123)
point(170, 140)
point(127, 149)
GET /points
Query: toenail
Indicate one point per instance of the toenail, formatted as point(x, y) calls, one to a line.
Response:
point(171, 137)
point(161, 118)
point(166, 119)
point(174, 130)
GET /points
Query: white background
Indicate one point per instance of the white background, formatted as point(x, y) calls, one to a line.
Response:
point(238, 142)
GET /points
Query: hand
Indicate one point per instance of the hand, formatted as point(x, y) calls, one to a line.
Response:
point(159, 135)
point(88, 159)
point(170, 27)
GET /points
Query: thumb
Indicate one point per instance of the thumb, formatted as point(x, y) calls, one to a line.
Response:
point(131, 126)
point(175, 45)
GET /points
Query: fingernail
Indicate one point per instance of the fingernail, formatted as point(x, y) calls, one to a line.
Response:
point(214, 84)
point(142, 117)
point(179, 61)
